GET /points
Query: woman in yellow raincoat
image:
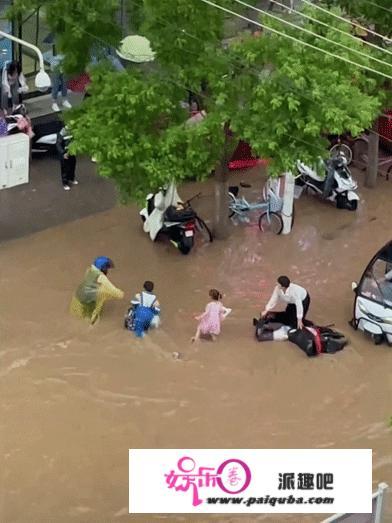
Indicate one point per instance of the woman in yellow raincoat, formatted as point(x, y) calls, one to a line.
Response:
point(94, 290)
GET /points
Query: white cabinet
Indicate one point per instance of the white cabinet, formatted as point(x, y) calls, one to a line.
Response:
point(14, 160)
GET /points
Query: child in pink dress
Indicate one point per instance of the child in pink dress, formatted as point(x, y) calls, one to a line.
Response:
point(210, 320)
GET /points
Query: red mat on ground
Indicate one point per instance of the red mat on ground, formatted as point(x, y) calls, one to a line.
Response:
point(244, 159)
point(385, 129)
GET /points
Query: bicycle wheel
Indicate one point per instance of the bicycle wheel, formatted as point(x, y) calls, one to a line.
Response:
point(341, 149)
point(271, 221)
point(231, 204)
point(202, 227)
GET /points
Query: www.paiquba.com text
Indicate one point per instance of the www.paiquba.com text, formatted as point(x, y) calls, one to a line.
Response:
point(272, 501)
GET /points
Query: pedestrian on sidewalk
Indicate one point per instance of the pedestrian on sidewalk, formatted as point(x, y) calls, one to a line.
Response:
point(144, 312)
point(94, 290)
point(13, 85)
point(297, 302)
point(210, 320)
point(67, 160)
point(59, 83)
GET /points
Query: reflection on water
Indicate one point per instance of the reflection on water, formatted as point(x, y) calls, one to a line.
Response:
point(74, 399)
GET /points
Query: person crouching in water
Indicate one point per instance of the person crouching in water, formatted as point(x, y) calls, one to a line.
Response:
point(146, 310)
point(211, 319)
point(94, 290)
point(295, 297)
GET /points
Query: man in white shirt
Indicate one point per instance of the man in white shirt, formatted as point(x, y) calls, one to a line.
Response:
point(297, 300)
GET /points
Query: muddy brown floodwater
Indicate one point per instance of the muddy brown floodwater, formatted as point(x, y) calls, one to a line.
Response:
point(74, 399)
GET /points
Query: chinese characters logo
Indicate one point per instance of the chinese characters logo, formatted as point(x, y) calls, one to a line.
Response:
point(232, 476)
point(305, 481)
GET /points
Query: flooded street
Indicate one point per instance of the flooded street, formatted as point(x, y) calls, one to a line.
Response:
point(74, 399)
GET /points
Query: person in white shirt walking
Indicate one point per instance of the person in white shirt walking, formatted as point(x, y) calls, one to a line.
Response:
point(297, 299)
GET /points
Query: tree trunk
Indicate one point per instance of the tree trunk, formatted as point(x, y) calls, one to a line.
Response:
point(372, 168)
point(123, 17)
point(221, 212)
point(288, 203)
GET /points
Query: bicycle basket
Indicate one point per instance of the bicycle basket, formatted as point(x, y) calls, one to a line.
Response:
point(275, 202)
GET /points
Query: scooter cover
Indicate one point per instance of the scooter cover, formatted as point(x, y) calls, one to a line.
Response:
point(162, 200)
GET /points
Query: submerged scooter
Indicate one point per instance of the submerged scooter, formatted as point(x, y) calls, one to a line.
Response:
point(337, 185)
point(166, 213)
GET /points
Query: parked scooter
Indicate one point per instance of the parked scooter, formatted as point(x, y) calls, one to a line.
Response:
point(166, 213)
point(44, 134)
point(337, 185)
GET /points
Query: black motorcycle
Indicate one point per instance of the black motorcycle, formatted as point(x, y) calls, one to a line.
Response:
point(179, 223)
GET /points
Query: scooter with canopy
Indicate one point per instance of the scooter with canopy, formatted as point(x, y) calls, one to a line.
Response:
point(373, 298)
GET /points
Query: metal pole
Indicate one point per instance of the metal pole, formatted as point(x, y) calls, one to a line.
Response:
point(288, 202)
point(382, 487)
point(36, 36)
point(20, 33)
point(26, 44)
point(380, 498)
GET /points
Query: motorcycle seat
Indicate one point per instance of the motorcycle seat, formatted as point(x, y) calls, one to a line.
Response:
point(317, 183)
point(179, 215)
point(47, 129)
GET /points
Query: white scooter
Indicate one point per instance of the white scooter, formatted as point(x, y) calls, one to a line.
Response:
point(166, 213)
point(336, 185)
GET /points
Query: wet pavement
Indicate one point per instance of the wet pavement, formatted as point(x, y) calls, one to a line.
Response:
point(43, 203)
point(74, 399)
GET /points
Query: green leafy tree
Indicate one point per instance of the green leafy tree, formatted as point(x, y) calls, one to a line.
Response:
point(134, 125)
point(306, 94)
point(378, 16)
point(80, 26)
point(378, 13)
point(275, 93)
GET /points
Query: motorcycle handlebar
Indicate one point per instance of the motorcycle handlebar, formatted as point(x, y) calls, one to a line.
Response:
point(187, 202)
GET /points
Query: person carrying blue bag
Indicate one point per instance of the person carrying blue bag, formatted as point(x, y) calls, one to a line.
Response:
point(144, 311)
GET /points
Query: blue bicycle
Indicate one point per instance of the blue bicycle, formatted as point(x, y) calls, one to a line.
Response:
point(270, 207)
